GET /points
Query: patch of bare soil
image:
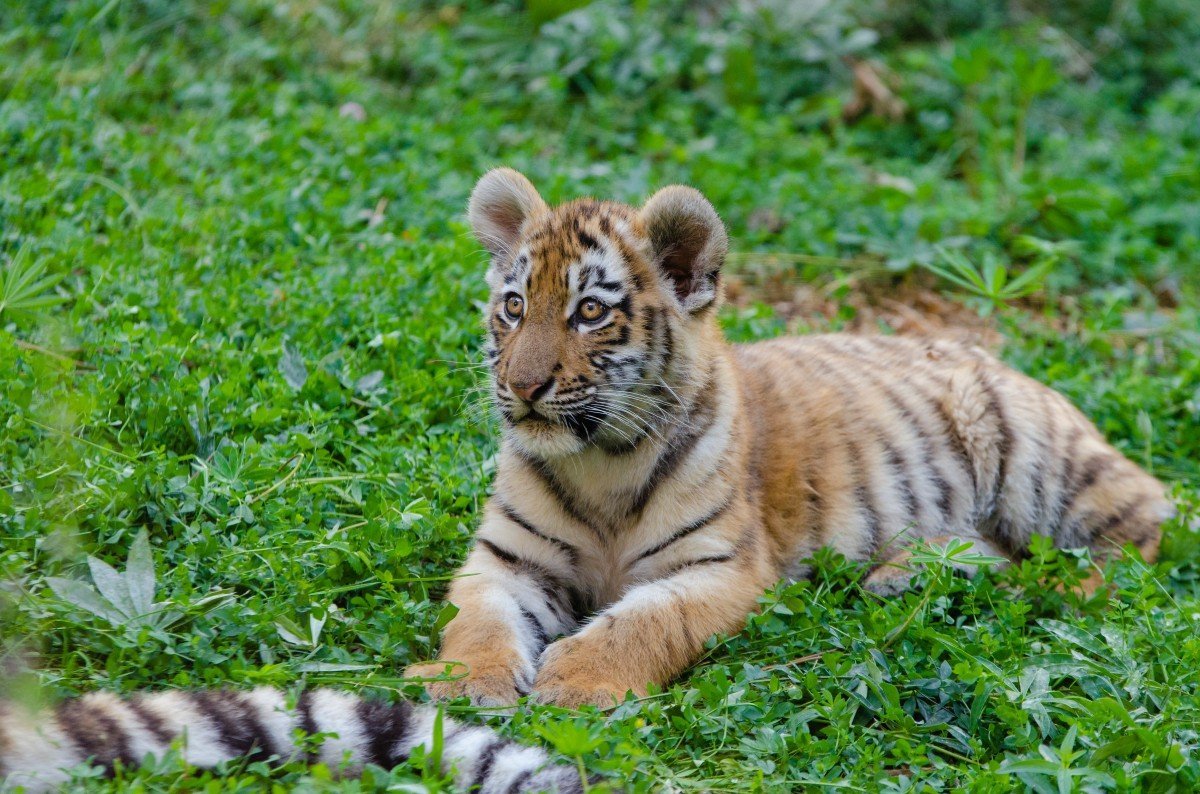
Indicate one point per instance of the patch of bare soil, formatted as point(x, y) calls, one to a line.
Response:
point(906, 304)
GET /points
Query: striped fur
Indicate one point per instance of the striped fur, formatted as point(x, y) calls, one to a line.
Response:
point(654, 479)
point(209, 727)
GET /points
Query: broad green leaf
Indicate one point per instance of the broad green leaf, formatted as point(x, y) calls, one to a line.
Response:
point(1123, 746)
point(290, 632)
point(315, 625)
point(292, 367)
point(369, 382)
point(1030, 281)
point(111, 585)
point(445, 615)
point(139, 575)
point(1075, 636)
point(85, 597)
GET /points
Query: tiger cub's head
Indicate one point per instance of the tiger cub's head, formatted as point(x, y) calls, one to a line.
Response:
point(599, 313)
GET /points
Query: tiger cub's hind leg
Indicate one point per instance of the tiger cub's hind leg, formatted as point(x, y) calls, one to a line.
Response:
point(1113, 504)
point(1041, 467)
point(895, 575)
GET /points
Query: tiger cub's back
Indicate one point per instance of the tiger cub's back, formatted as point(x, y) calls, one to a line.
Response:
point(866, 443)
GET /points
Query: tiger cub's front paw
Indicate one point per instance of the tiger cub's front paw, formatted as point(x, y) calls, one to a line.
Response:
point(889, 581)
point(569, 678)
point(486, 683)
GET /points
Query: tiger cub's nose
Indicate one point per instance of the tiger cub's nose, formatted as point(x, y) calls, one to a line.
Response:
point(530, 392)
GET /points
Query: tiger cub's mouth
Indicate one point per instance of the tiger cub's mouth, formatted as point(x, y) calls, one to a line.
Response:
point(582, 422)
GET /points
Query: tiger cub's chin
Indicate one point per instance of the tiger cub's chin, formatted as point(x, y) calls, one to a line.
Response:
point(543, 439)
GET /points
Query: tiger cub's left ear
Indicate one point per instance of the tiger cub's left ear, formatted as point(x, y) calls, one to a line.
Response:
point(503, 199)
point(689, 243)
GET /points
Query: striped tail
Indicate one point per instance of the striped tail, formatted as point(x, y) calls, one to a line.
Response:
point(212, 726)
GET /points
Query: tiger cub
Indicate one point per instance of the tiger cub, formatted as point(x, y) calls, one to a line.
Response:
point(653, 478)
point(38, 749)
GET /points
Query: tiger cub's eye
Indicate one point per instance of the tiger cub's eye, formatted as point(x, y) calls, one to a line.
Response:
point(590, 310)
point(514, 307)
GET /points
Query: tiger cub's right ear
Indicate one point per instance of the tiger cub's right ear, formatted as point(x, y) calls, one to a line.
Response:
point(500, 204)
point(689, 244)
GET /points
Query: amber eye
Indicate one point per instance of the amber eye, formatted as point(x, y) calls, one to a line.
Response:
point(590, 310)
point(514, 307)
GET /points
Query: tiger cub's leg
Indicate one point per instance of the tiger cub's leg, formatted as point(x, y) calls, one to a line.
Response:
point(658, 628)
point(1041, 467)
point(512, 599)
point(895, 575)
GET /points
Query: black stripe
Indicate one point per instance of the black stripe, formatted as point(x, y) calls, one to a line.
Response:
point(1049, 447)
point(709, 560)
point(385, 725)
point(518, 783)
point(1091, 471)
point(238, 728)
point(650, 325)
point(535, 625)
point(902, 473)
point(522, 565)
point(926, 440)
point(1037, 474)
point(948, 425)
point(154, 724)
point(680, 534)
point(96, 734)
point(703, 410)
point(89, 744)
point(689, 636)
point(945, 496)
point(948, 439)
point(550, 584)
point(668, 346)
point(587, 240)
point(1004, 529)
point(1148, 532)
point(487, 759)
point(1067, 478)
point(957, 444)
point(521, 683)
point(1116, 519)
point(650, 329)
point(864, 498)
point(504, 554)
point(1040, 457)
point(559, 493)
point(512, 515)
point(255, 726)
point(308, 723)
point(623, 328)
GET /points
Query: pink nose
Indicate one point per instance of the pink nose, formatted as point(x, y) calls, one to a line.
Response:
point(531, 391)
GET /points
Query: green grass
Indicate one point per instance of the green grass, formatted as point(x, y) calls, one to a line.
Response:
point(243, 321)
